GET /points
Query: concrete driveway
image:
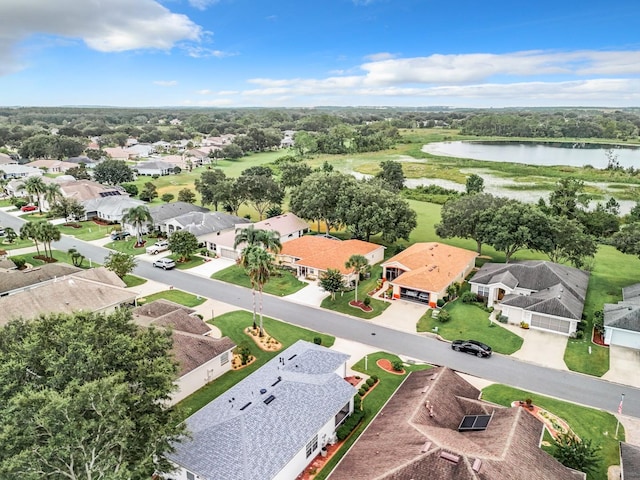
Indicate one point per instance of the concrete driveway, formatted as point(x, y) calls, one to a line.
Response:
point(543, 348)
point(214, 265)
point(624, 364)
point(311, 295)
point(401, 315)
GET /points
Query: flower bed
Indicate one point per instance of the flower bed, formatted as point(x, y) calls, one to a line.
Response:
point(266, 343)
point(385, 364)
point(359, 304)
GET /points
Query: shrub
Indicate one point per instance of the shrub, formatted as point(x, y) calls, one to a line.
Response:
point(469, 297)
point(19, 262)
point(579, 334)
point(357, 402)
point(444, 316)
point(370, 382)
point(130, 188)
point(366, 387)
point(374, 378)
point(155, 175)
point(350, 424)
point(503, 318)
point(20, 203)
point(367, 301)
point(397, 365)
point(245, 353)
point(317, 340)
point(361, 392)
point(440, 303)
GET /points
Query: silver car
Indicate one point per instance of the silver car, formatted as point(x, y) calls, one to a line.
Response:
point(165, 263)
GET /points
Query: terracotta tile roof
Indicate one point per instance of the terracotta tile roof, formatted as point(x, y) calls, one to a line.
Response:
point(323, 253)
point(430, 266)
point(416, 436)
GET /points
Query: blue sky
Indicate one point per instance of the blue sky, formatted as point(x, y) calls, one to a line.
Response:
point(304, 53)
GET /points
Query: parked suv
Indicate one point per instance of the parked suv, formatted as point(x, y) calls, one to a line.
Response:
point(165, 263)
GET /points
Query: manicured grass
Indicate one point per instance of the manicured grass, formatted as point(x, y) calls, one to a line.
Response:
point(17, 243)
point(177, 296)
point(60, 256)
point(425, 322)
point(232, 325)
point(281, 284)
point(88, 230)
point(469, 321)
point(373, 402)
point(587, 423)
point(193, 261)
point(128, 245)
point(133, 281)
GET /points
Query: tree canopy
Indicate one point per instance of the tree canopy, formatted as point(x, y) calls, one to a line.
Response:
point(84, 397)
point(112, 172)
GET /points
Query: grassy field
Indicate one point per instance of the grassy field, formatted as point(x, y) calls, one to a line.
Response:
point(341, 302)
point(472, 322)
point(232, 325)
point(176, 296)
point(283, 284)
point(373, 402)
point(587, 423)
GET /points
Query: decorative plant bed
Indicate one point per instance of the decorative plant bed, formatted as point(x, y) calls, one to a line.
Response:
point(236, 363)
point(359, 304)
point(266, 342)
point(552, 422)
point(598, 338)
point(385, 365)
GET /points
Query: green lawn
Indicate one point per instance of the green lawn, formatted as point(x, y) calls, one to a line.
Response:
point(373, 402)
point(128, 245)
point(341, 302)
point(88, 230)
point(133, 281)
point(469, 321)
point(17, 243)
point(587, 423)
point(284, 283)
point(193, 261)
point(176, 296)
point(232, 325)
point(60, 256)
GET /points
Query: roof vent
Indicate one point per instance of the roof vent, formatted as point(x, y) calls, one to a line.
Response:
point(293, 356)
point(425, 447)
point(450, 457)
point(476, 465)
point(263, 391)
point(276, 382)
point(269, 399)
point(245, 406)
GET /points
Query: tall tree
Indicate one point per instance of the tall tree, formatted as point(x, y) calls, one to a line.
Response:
point(259, 266)
point(149, 192)
point(391, 175)
point(48, 233)
point(85, 397)
point(183, 243)
point(475, 184)
point(67, 208)
point(139, 217)
point(208, 186)
point(252, 236)
point(35, 187)
point(627, 240)
point(332, 281)
point(563, 240)
point(261, 192)
point(293, 173)
point(113, 172)
point(187, 196)
point(358, 264)
point(567, 198)
point(52, 193)
point(463, 217)
point(30, 230)
point(579, 454)
point(120, 263)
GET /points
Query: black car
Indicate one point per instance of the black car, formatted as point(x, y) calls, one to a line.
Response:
point(473, 347)
point(121, 235)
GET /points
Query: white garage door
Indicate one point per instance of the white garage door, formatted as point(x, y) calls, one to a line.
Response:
point(227, 253)
point(548, 323)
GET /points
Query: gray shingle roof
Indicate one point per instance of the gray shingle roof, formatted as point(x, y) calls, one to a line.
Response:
point(631, 293)
point(554, 301)
point(630, 457)
point(229, 442)
point(163, 212)
point(17, 279)
point(200, 223)
point(624, 315)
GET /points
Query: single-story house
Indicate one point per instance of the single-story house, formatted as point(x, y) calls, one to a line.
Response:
point(110, 209)
point(423, 271)
point(67, 294)
point(83, 190)
point(13, 170)
point(436, 427)
point(288, 225)
point(629, 461)
point(154, 167)
point(15, 281)
point(622, 319)
point(140, 150)
point(202, 223)
point(166, 211)
point(545, 295)
point(201, 357)
point(52, 166)
point(6, 159)
point(119, 153)
point(270, 425)
point(88, 162)
point(312, 255)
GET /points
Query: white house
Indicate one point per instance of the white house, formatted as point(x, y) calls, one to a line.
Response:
point(202, 223)
point(154, 167)
point(110, 209)
point(622, 320)
point(545, 295)
point(270, 425)
point(13, 170)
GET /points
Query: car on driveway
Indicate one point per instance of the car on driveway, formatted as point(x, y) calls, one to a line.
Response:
point(29, 208)
point(165, 263)
point(473, 347)
point(158, 247)
point(119, 235)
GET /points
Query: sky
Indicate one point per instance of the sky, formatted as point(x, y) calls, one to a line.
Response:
point(306, 53)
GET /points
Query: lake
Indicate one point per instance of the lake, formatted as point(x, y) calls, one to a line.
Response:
point(533, 153)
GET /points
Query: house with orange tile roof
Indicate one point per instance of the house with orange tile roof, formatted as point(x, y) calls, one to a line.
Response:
point(313, 255)
point(424, 271)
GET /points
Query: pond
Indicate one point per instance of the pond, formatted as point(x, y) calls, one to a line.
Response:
point(535, 153)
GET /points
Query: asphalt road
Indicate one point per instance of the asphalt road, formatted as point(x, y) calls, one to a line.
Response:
point(574, 387)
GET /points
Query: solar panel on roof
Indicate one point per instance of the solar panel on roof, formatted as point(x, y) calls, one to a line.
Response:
point(471, 423)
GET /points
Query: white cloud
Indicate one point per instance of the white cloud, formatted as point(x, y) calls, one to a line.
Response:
point(202, 4)
point(376, 57)
point(197, 51)
point(166, 83)
point(204, 92)
point(105, 25)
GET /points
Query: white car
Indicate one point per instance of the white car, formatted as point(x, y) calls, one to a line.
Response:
point(165, 263)
point(158, 247)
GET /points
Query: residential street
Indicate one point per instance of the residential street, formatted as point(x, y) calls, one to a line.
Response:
point(566, 385)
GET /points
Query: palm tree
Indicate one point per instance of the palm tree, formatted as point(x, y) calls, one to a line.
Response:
point(34, 186)
point(251, 236)
point(52, 193)
point(30, 230)
point(244, 262)
point(358, 265)
point(48, 233)
point(260, 267)
point(138, 217)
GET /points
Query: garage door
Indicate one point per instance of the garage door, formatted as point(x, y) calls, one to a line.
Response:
point(555, 324)
point(226, 253)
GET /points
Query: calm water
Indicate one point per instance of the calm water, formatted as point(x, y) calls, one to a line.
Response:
point(576, 155)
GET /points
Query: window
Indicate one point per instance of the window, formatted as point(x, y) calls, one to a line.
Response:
point(312, 446)
point(191, 476)
point(483, 291)
point(224, 358)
